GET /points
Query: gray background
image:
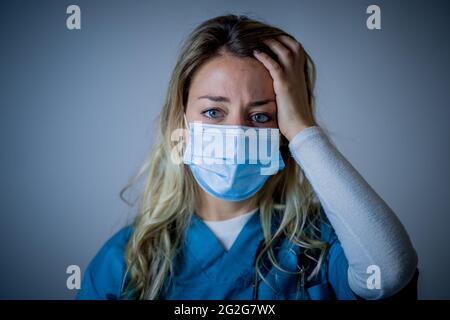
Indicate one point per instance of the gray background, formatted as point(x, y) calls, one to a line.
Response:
point(77, 113)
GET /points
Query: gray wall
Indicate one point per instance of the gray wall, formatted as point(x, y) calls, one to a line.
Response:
point(77, 113)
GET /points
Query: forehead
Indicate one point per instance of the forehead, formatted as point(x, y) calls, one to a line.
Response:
point(237, 78)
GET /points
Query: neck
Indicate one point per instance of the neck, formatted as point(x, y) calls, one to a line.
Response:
point(215, 209)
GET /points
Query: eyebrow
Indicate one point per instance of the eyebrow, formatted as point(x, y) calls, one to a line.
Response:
point(225, 99)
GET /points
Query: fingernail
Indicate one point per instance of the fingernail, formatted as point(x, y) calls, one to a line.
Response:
point(257, 51)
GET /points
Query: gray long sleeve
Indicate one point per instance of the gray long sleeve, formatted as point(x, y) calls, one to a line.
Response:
point(369, 231)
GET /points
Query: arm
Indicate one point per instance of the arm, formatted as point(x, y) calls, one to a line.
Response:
point(369, 231)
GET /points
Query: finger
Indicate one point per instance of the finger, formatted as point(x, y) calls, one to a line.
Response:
point(274, 68)
point(296, 47)
point(291, 43)
point(284, 54)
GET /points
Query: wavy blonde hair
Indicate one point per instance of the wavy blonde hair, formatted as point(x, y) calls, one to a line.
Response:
point(170, 194)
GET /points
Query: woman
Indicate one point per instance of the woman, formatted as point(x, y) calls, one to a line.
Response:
point(312, 229)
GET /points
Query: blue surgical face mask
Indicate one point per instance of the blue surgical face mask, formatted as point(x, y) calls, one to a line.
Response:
point(232, 162)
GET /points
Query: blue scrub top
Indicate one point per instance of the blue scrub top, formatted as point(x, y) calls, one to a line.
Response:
point(205, 270)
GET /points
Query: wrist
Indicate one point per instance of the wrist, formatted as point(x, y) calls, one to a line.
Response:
point(292, 131)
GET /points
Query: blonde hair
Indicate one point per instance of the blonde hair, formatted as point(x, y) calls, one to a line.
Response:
point(169, 196)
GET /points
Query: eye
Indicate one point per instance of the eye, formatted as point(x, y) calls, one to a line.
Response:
point(212, 113)
point(260, 117)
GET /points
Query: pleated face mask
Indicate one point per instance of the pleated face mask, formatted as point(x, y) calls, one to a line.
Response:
point(232, 162)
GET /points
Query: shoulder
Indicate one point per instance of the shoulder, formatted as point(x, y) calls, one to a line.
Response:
point(328, 235)
point(104, 275)
point(335, 263)
point(327, 232)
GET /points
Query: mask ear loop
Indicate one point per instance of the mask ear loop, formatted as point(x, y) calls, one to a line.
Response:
point(187, 128)
point(185, 122)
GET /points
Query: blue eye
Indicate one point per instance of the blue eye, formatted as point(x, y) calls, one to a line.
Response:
point(260, 117)
point(211, 113)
